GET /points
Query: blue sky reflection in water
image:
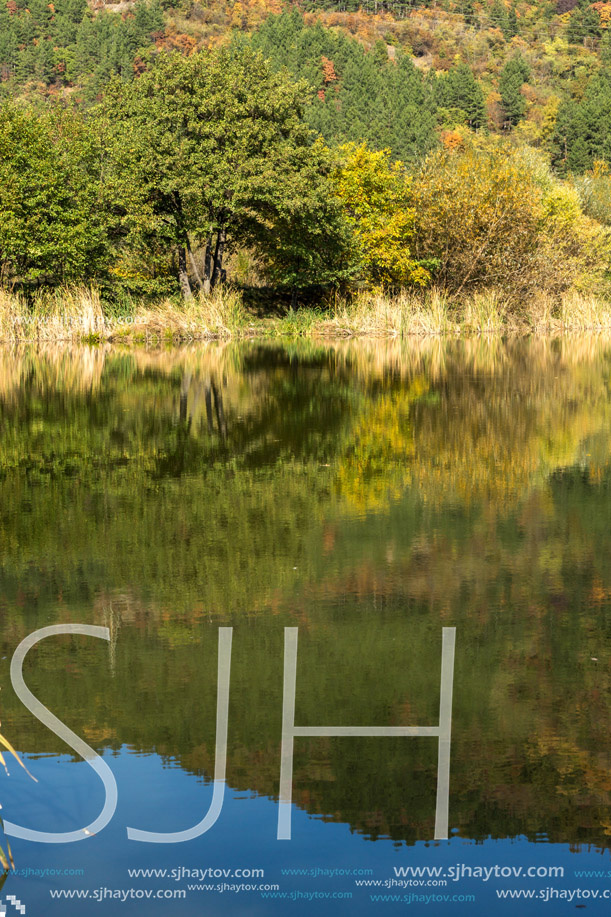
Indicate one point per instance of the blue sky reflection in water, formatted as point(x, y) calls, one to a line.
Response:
point(245, 834)
point(369, 495)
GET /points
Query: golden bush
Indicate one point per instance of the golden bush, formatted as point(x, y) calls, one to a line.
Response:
point(497, 217)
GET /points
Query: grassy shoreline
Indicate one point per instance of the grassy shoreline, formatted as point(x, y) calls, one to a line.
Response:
point(79, 315)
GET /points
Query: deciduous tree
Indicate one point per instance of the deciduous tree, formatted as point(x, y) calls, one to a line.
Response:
point(212, 150)
point(52, 225)
point(376, 196)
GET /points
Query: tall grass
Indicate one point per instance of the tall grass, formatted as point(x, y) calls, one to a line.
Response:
point(14, 317)
point(77, 314)
point(579, 312)
point(484, 313)
point(406, 313)
point(218, 314)
point(73, 313)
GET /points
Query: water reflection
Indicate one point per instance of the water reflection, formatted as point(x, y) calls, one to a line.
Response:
point(369, 493)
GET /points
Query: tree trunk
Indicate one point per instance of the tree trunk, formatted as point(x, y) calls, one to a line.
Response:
point(207, 264)
point(208, 397)
point(195, 271)
point(183, 277)
point(218, 256)
point(184, 397)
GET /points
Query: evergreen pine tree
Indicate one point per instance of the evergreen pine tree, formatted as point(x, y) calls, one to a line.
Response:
point(579, 159)
point(9, 44)
point(591, 23)
point(513, 75)
point(464, 92)
point(512, 27)
point(467, 8)
point(583, 128)
point(584, 23)
point(380, 54)
point(498, 16)
point(44, 62)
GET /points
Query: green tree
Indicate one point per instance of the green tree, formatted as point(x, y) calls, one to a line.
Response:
point(460, 90)
point(513, 76)
point(65, 42)
point(584, 23)
point(498, 16)
point(309, 241)
point(388, 105)
point(582, 132)
point(52, 225)
point(512, 27)
point(212, 150)
point(467, 8)
point(578, 158)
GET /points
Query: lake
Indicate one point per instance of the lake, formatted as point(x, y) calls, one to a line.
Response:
point(366, 495)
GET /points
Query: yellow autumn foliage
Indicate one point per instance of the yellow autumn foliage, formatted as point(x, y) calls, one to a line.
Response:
point(376, 196)
point(496, 217)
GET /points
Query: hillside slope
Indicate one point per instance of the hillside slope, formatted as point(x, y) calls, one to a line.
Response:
point(398, 75)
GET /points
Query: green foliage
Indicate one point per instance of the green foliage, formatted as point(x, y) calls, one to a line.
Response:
point(467, 8)
point(387, 104)
point(51, 228)
point(498, 16)
point(512, 28)
point(513, 76)
point(308, 242)
point(64, 43)
point(460, 91)
point(211, 150)
point(594, 191)
point(583, 128)
point(584, 24)
point(504, 19)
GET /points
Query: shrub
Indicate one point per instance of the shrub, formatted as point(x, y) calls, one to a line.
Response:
point(594, 189)
point(498, 218)
point(375, 195)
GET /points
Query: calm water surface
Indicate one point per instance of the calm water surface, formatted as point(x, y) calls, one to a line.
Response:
point(369, 495)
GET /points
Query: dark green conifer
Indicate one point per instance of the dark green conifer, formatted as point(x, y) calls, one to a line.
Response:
point(512, 27)
point(498, 15)
point(464, 92)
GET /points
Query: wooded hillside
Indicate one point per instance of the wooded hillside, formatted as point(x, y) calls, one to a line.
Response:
point(398, 74)
point(106, 108)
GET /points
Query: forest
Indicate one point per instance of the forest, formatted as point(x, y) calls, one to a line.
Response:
point(155, 151)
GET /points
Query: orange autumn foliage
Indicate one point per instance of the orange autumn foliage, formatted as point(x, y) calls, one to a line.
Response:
point(604, 11)
point(328, 71)
point(452, 140)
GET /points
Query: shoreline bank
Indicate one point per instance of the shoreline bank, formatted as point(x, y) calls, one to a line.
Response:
point(80, 316)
